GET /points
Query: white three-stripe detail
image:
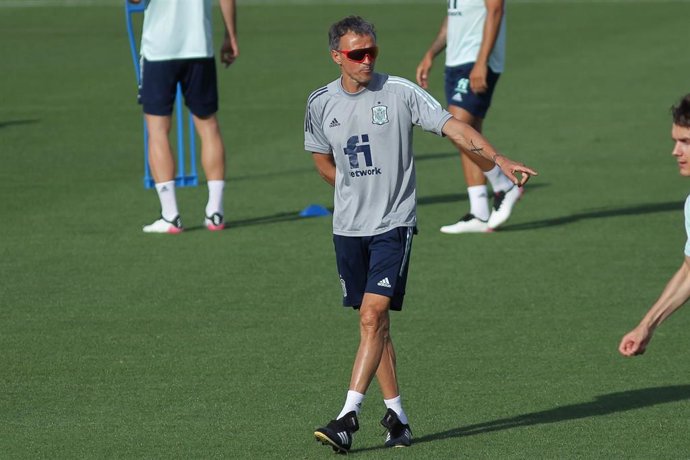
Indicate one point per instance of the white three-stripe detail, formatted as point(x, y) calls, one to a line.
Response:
point(431, 102)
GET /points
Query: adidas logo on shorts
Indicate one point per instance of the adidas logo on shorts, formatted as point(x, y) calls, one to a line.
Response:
point(384, 283)
point(334, 123)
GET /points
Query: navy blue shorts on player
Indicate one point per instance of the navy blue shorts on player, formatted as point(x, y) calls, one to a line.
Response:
point(375, 264)
point(459, 93)
point(197, 78)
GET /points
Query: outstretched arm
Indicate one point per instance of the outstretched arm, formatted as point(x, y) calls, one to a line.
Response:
point(674, 295)
point(229, 51)
point(438, 45)
point(466, 137)
point(492, 25)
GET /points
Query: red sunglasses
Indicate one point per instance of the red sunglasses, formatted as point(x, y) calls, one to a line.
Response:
point(361, 54)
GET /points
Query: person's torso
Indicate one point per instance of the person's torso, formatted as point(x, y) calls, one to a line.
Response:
point(177, 29)
point(370, 137)
point(466, 20)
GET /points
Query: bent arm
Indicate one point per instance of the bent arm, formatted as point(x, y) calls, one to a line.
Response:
point(674, 295)
point(325, 165)
point(469, 139)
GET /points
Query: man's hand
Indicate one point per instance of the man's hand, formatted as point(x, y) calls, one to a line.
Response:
point(478, 75)
point(635, 342)
point(229, 51)
point(423, 71)
point(510, 167)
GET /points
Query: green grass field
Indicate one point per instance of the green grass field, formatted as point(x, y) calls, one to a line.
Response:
point(118, 344)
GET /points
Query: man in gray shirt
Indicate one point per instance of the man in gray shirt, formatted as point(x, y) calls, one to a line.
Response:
point(359, 130)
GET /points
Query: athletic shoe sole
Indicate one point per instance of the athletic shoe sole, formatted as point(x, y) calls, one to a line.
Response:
point(326, 441)
point(215, 228)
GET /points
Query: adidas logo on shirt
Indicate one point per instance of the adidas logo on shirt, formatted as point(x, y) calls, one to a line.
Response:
point(334, 123)
point(384, 283)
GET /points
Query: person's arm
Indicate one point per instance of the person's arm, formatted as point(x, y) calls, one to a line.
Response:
point(674, 295)
point(492, 25)
point(229, 51)
point(325, 165)
point(438, 45)
point(466, 137)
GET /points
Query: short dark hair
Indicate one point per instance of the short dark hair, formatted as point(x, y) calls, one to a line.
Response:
point(354, 24)
point(681, 112)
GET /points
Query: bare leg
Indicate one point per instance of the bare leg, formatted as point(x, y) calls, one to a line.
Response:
point(386, 373)
point(160, 154)
point(212, 148)
point(374, 327)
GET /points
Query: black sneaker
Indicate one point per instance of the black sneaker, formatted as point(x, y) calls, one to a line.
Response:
point(398, 434)
point(338, 433)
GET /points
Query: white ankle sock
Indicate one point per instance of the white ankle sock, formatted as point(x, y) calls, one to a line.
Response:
point(499, 181)
point(215, 197)
point(353, 402)
point(395, 405)
point(166, 195)
point(479, 201)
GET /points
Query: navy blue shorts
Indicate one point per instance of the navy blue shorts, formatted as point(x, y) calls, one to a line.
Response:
point(375, 264)
point(459, 93)
point(197, 78)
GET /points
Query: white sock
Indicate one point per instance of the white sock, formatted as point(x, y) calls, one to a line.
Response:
point(395, 405)
point(353, 402)
point(215, 197)
point(499, 181)
point(166, 195)
point(479, 201)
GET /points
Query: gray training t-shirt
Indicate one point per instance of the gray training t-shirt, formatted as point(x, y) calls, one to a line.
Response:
point(369, 135)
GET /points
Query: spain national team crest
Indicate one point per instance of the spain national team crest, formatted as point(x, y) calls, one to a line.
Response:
point(379, 115)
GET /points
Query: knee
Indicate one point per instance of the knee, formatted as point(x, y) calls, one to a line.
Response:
point(374, 321)
point(207, 127)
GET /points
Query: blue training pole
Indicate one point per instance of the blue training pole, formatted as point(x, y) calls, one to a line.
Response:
point(181, 179)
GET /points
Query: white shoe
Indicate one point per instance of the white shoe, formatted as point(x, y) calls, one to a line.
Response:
point(468, 224)
point(503, 206)
point(164, 226)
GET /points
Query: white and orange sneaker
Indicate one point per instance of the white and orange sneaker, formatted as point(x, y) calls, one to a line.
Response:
point(503, 206)
point(215, 222)
point(165, 226)
point(467, 224)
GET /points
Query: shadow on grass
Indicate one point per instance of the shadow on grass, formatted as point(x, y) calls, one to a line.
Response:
point(602, 405)
point(453, 197)
point(262, 220)
point(629, 211)
point(291, 216)
point(6, 124)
